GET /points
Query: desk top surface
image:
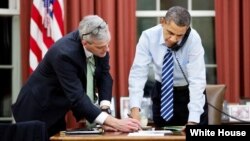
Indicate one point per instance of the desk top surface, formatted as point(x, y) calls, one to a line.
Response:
point(117, 136)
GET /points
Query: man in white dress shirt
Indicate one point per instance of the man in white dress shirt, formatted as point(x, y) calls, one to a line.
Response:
point(189, 96)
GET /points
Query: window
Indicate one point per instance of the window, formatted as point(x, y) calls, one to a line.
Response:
point(203, 15)
point(9, 57)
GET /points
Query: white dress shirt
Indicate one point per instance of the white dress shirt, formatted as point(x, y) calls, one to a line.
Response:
point(151, 48)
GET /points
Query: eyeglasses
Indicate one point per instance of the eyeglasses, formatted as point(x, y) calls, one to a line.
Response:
point(97, 46)
point(96, 30)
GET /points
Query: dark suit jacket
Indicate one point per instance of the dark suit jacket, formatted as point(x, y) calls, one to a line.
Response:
point(59, 85)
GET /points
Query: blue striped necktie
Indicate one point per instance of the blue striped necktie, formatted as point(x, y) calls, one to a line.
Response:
point(167, 86)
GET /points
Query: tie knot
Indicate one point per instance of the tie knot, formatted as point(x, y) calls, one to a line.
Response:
point(91, 60)
point(169, 51)
point(168, 55)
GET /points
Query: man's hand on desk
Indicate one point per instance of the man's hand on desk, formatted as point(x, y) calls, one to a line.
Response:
point(122, 125)
point(108, 128)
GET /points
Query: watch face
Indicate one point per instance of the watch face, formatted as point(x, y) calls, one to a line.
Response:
point(108, 110)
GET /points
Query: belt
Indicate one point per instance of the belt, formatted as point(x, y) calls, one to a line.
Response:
point(176, 87)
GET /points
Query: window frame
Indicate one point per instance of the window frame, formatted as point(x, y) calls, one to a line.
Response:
point(13, 11)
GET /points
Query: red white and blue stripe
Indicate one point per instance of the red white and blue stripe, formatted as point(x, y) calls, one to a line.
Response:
point(46, 27)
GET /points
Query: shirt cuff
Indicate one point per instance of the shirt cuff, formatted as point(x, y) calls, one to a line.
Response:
point(135, 100)
point(194, 117)
point(105, 102)
point(101, 118)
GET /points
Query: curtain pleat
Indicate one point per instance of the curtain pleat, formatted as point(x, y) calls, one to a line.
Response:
point(25, 13)
point(246, 49)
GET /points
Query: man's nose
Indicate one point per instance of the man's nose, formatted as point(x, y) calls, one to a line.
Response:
point(106, 48)
point(173, 39)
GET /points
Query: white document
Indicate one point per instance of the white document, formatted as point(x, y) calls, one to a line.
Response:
point(151, 133)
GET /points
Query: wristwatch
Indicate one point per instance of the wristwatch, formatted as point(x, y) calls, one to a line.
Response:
point(107, 110)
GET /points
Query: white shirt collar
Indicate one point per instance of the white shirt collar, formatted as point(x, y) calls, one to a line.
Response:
point(87, 53)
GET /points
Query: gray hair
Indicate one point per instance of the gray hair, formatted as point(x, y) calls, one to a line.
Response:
point(93, 27)
point(179, 15)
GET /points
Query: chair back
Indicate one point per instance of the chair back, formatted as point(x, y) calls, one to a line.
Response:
point(23, 131)
point(215, 98)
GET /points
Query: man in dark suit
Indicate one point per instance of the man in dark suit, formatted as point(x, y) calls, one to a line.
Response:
point(59, 82)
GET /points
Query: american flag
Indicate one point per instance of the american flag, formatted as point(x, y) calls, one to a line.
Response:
point(46, 27)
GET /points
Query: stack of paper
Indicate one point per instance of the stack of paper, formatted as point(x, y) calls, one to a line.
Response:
point(174, 128)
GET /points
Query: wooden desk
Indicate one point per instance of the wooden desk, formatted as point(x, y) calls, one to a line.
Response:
point(117, 136)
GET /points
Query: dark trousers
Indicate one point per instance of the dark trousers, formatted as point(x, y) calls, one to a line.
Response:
point(181, 100)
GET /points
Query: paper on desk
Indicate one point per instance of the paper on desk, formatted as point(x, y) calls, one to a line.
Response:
point(151, 133)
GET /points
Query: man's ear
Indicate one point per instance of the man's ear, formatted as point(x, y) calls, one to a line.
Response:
point(162, 20)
